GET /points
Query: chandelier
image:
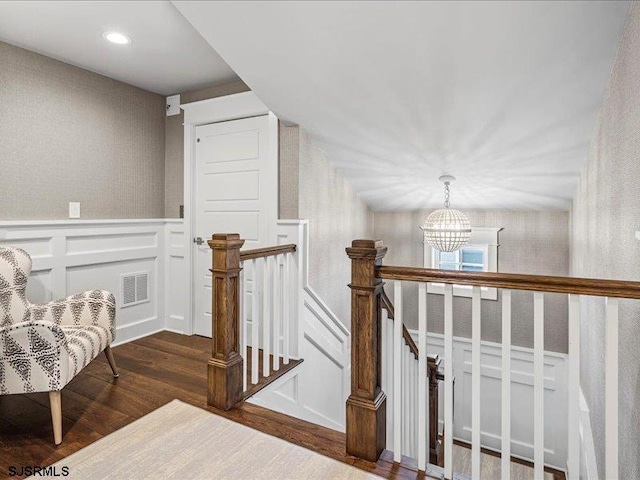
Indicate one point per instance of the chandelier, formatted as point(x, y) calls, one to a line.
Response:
point(447, 229)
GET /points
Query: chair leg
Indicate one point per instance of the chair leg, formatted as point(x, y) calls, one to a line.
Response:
point(112, 363)
point(55, 402)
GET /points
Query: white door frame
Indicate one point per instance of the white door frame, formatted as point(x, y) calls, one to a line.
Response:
point(213, 110)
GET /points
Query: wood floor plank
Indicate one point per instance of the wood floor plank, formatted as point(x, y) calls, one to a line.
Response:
point(101, 418)
point(35, 419)
point(188, 351)
point(153, 371)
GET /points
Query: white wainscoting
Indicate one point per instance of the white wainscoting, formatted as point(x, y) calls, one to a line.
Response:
point(73, 256)
point(316, 390)
point(588, 464)
point(176, 278)
point(555, 384)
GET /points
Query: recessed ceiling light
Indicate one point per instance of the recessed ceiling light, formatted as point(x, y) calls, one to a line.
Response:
point(117, 38)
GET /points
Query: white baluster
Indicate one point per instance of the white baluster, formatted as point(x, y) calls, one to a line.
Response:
point(405, 402)
point(286, 311)
point(384, 377)
point(611, 390)
point(573, 448)
point(448, 381)
point(506, 385)
point(277, 309)
point(414, 416)
point(538, 385)
point(266, 316)
point(389, 326)
point(397, 372)
point(243, 324)
point(255, 322)
point(476, 305)
point(413, 402)
point(423, 395)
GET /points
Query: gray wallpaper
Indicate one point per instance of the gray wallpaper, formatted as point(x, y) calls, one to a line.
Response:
point(289, 171)
point(336, 215)
point(531, 242)
point(174, 144)
point(605, 217)
point(70, 135)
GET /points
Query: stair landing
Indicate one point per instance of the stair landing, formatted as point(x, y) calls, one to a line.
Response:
point(273, 374)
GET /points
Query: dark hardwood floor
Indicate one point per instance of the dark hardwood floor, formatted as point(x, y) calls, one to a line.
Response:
point(153, 371)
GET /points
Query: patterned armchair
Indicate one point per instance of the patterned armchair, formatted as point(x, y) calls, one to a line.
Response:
point(42, 347)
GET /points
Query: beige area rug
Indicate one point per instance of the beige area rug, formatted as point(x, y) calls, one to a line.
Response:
point(180, 441)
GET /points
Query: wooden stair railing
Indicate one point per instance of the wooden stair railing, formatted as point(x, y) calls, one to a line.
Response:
point(435, 377)
point(366, 418)
point(225, 367)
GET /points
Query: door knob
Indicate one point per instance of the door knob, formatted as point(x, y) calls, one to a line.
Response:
point(198, 241)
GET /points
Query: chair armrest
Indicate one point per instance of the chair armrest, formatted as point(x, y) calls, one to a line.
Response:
point(31, 340)
point(96, 307)
point(33, 358)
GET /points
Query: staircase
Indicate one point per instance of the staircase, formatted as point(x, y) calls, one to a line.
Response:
point(273, 374)
point(264, 308)
point(251, 313)
point(262, 298)
point(409, 386)
point(384, 376)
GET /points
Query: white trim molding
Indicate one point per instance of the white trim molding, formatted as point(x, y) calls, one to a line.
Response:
point(222, 109)
point(588, 463)
point(323, 342)
point(555, 387)
point(213, 110)
point(485, 238)
point(71, 256)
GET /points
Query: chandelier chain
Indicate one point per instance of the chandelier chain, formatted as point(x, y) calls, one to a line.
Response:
point(446, 195)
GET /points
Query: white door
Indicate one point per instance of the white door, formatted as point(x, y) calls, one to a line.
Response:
point(236, 191)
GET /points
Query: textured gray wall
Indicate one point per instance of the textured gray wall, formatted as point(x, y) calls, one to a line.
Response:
point(289, 172)
point(605, 217)
point(174, 144)
point(531, 242)
point(67, 135)
point(336, 216)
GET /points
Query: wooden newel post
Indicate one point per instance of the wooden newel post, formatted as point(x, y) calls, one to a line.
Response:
point(224, 369)
point(366, 406)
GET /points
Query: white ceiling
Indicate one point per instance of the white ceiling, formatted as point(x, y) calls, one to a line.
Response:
point(503, 95)
point(167, 54)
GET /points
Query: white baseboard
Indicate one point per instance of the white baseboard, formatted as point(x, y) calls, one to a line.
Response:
point(176, 324)
point(140, 329)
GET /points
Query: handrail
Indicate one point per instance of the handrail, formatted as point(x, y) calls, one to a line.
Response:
point(267, 251)
point(433, 360)
point(541, 283)
point(386, 304)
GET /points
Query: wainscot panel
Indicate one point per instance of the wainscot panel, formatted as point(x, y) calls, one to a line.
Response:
point(71, 256)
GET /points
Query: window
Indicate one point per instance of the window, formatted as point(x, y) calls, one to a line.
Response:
point(470, 258)
point(479, 255)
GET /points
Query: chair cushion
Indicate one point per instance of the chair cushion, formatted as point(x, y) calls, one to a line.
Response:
point(84, 343)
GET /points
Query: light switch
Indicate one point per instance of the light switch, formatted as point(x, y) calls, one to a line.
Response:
point(74, 209)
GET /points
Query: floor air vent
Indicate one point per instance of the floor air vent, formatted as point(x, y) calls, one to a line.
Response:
point(135, 288)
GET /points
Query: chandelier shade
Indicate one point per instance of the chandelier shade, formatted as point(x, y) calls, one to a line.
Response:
point(447, 229)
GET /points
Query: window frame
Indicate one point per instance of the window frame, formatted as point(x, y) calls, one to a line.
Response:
point(485, 238)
